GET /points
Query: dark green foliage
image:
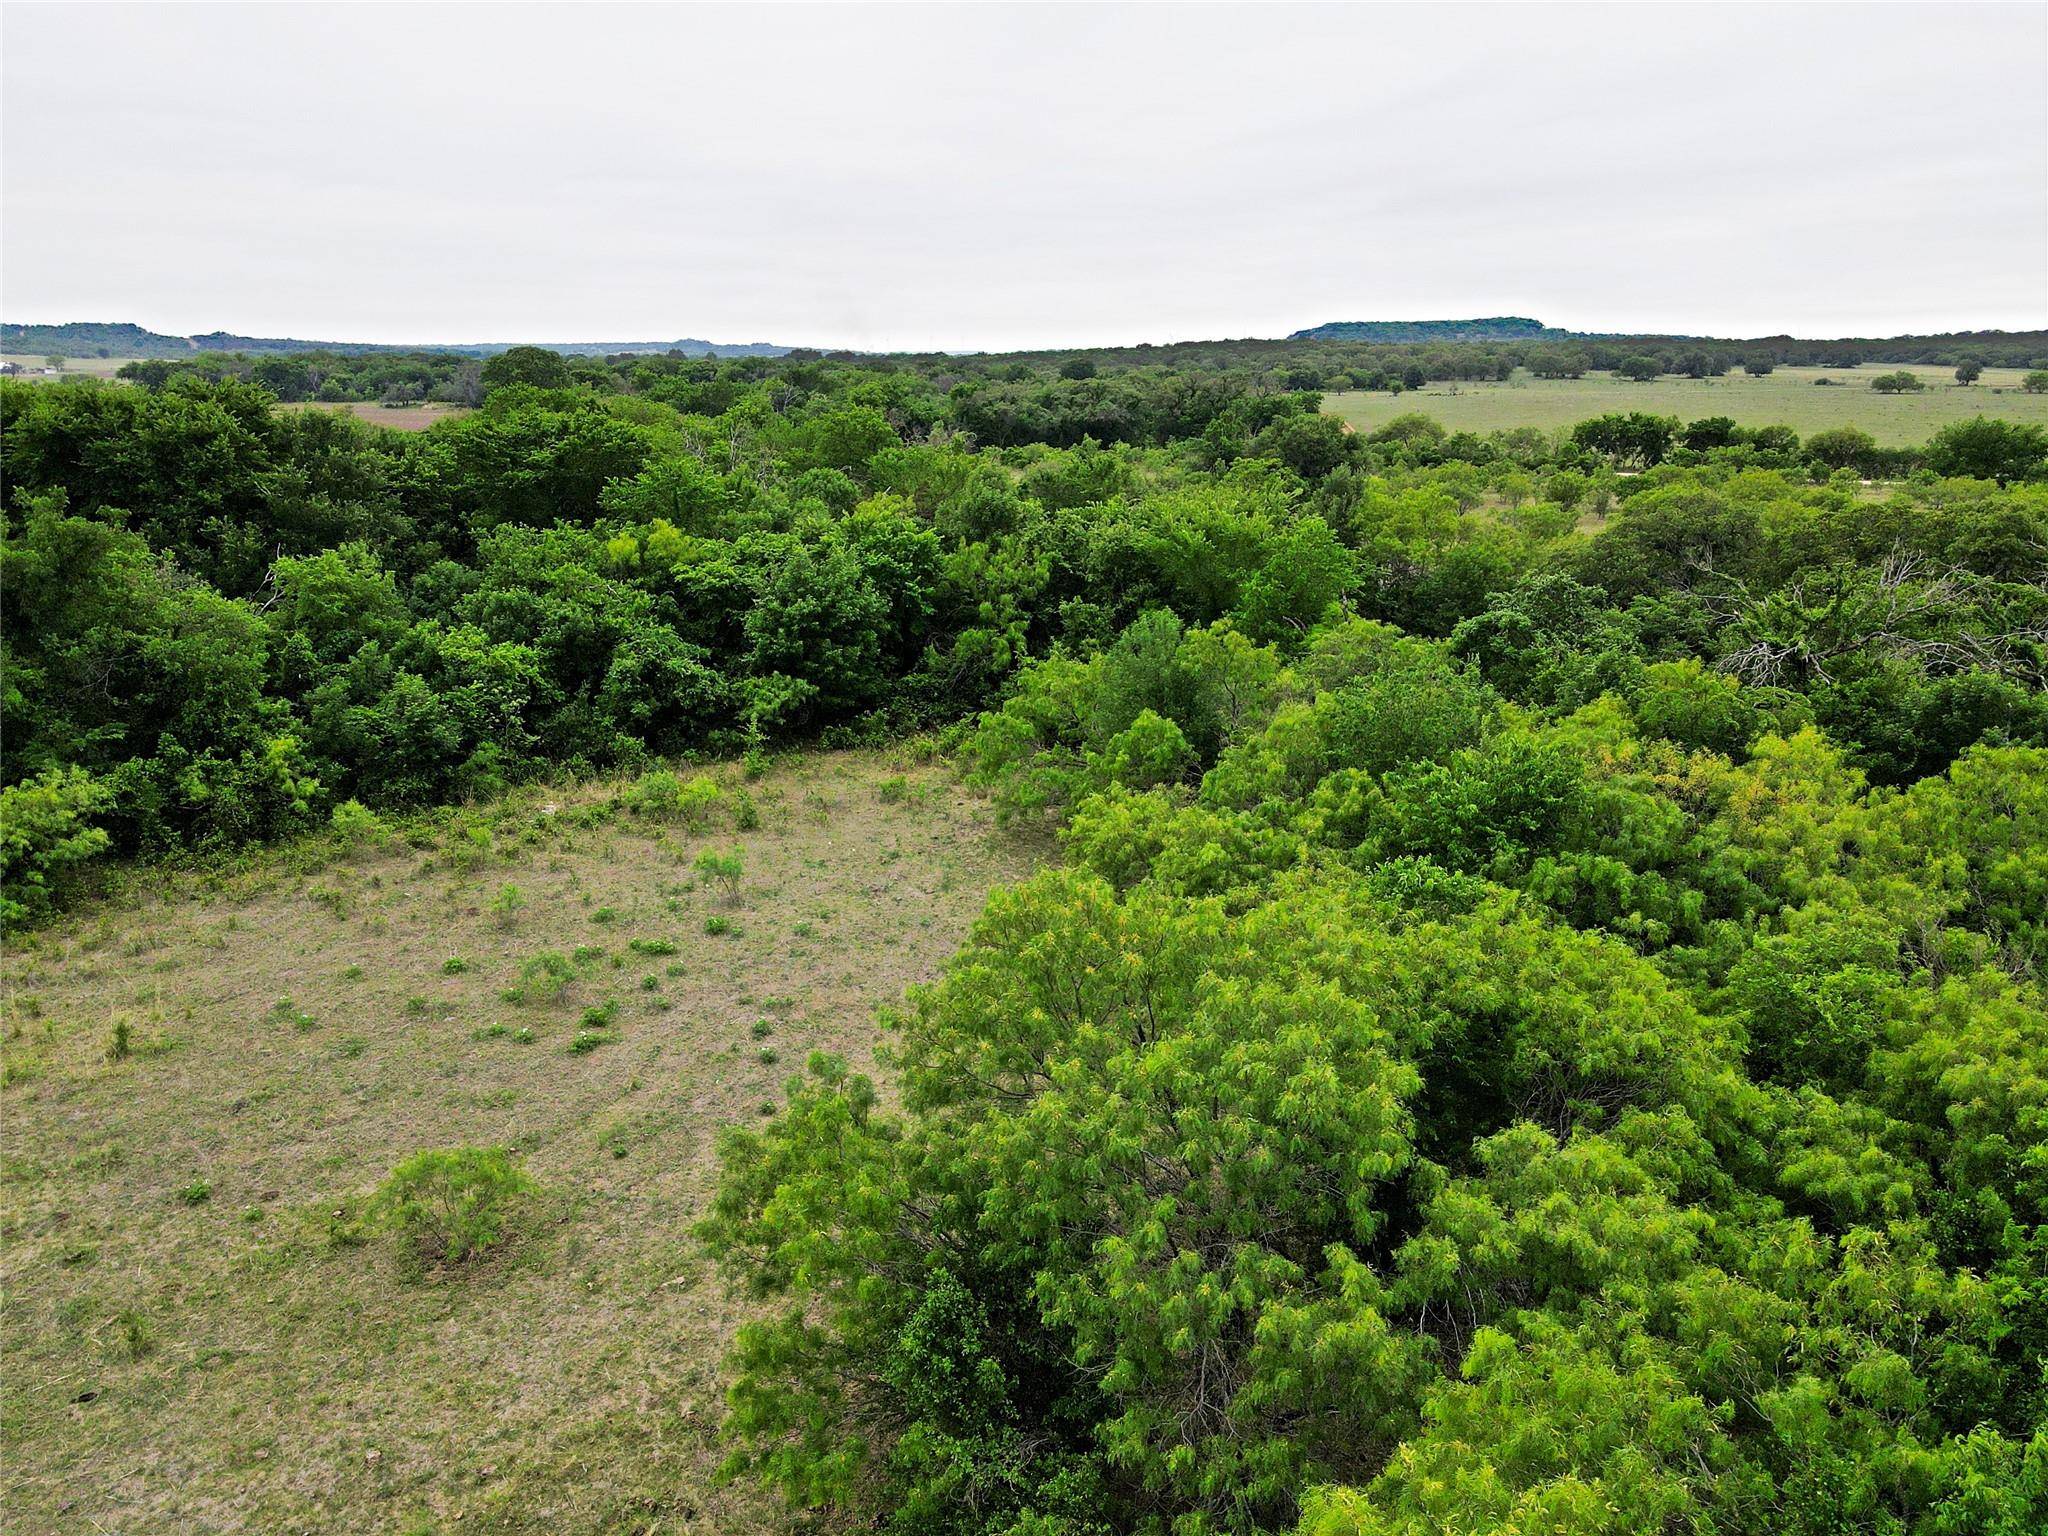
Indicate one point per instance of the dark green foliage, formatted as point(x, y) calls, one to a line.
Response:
point(1533, 1031)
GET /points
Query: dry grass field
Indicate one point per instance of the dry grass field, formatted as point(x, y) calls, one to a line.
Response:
point(32, 364)
point(1788, 397)
point(199, 1336)
point(406, 418)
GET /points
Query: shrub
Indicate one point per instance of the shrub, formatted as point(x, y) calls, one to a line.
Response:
point(746, 815)
point(506, 905)
point(453, 1203)
point(353, 822)
point(542, 979)
point(654, 795)
point(44, 834)
point(696, 800)
point(723, 869)
point(1899, 383)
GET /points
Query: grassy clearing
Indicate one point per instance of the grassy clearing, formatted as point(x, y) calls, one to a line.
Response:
point(1788, 397)
point(33, 363)
point(198, 1336)
point(406, 418)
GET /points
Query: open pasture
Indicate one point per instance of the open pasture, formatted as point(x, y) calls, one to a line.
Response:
point(33, 364)
point(404, 418)
point(1790, 397)
point(196, 1341)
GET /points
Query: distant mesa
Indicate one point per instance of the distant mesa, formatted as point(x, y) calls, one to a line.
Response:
point(95, 339)
point(1498, 328)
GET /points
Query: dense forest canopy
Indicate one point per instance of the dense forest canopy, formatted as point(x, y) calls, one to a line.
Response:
point(1537, 1024)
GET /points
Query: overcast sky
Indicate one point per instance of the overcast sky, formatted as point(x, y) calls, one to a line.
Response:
point(998, 176)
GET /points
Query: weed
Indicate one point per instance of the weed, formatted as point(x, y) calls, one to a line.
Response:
point(352, 973)
point(746, 815)
point(601, 1015)
point(762, 1029)
point(492, 1031)
point(588, 954)
point(418, 1007)
point(650, 983)
point(605, 915)
point(198, 1192)
point(717, 925)
point(133, 1335)
point(285, 1011)
point(652, 947)
point(351, 1048)
point(769, 1055)
point(121, 1046)
point(454, 965)
point(893, 791)
point(587, 1040)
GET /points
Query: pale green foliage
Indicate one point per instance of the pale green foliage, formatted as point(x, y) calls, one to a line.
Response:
point(452, 1204)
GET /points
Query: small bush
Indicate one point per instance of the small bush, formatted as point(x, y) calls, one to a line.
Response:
point(696, 800)
point(723, 870)
point(654, 795)
point(454, 1203)
point(893, 791)
point(44, 833)
point(746, 815)
point(506, 905)
point(355, 823)
point(542, 979)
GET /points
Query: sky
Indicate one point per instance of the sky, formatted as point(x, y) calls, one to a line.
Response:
point(993, 176)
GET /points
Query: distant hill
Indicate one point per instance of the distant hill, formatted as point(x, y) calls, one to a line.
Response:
point(1498, 328)
point(93, 339)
